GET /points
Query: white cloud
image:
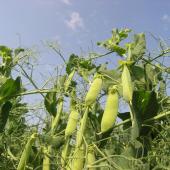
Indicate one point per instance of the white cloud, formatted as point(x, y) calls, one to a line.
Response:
point(67, 2)
point(166, 18)
point(75, 21)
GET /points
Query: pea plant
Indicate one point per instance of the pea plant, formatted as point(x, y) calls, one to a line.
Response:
point(85, 127)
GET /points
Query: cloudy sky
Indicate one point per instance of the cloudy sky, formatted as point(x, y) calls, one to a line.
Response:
point(78, 24)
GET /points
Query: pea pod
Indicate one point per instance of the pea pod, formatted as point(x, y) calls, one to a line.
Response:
point(78, 158)
point(91, 158)
point(68, 81)
point(72, 123)
point(26, 152)
point(126, 84)
point(111, 110)
point(94, 90)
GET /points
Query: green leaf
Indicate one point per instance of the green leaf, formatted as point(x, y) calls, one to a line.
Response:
point(5, 51)
point(10, 88)
point(145, 106)
point(128, 158)
point(79, 63)
point(119, 50)
point(137, 48)
point(112, 43)
point(109, 45)
point(110, 77)
point(50, 103)
point(4, 114)
point(18, 50)
point(153, 74)
point(55, 141)
point(72, 62)
point(125, 116)
point(138, 73)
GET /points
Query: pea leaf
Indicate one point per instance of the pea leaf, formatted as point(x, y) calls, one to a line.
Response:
point(138, 73)
point(124, 116)
point(55, 141)
point(110, 77)
point(138, 47)
point(10, 88)
point(5, 51)
point(50, 102)
point(78, 62)
point(18, 50)
point(145, 106)
point(4, 114)
point(112, 43)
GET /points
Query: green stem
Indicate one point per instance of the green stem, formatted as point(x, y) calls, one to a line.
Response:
point(132, 114)
point(65, 153)
point(104, 156)
point(58, 116)
point(46, 159)
point(80, 132)
point(47, 150)
point(161, 115)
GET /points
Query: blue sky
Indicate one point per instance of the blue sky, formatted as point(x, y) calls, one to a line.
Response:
point(78, 24)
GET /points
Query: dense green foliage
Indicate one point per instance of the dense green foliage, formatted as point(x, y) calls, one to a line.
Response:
point(80, 130)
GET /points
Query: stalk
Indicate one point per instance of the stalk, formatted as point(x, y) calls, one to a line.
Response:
point(58, 115)
point(157, 117)
point(65, 153)
point(26, 152)
point(80, 132)
point(46, 159)
point(47, 150)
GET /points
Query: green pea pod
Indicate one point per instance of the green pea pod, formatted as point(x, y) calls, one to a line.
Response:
point(26, 152)
point(68, 81)
point(94, 91)
point(91, 158)
point(72, 123)
point(111, 110)
point(126, 84)
point(78, 158)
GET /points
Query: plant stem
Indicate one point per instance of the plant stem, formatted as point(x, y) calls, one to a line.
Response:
point(161, 115)
point(58, 115)
point(46, 159)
